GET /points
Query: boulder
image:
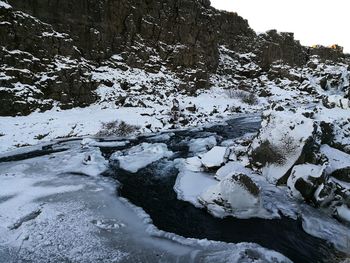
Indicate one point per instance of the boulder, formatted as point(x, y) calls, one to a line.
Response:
point(305, 179)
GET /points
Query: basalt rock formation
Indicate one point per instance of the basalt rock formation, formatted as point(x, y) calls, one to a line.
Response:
point(183, 36)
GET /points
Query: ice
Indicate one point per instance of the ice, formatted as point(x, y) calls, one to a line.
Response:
point(321, 225)
point(190, 185)
point(106, 144)
point(140, 156)
point(215, 157)
point(194, 164)
point(246, 252)
point(344, 212)
point(202, 144)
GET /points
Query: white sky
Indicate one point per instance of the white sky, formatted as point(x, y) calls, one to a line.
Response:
point(323, 22)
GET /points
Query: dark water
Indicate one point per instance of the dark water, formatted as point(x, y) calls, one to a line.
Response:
point(152, 189)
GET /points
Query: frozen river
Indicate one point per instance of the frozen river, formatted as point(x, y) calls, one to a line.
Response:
point(65, 203)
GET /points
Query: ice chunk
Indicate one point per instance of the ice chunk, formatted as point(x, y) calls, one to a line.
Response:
point(189, 185)
point(215, 157)
point(140, 156)
point(194, 164)
point(202, 144)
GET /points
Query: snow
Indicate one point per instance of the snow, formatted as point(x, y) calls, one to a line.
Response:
point(5, 5)
point(304, 171)
point(69, 123)
point(140, 156)
point(241, 254)
point(336, 159)
point(215, 157)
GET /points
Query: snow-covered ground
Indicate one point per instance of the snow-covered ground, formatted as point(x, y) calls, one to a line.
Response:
point(44, 126)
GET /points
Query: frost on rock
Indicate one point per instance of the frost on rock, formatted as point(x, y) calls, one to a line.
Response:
point(215, 157)
point(240, 192)
point(280, 143)
point(140, 156)
point(302, 180)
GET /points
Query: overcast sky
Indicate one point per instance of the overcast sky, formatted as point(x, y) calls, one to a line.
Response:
point(323, 22)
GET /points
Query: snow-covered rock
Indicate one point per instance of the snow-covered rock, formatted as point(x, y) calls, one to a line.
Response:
point(230, 169)
point(343, 212)
point(215, 157)
point(280, 142)
point(240, 192)
point(140, 156)
point(237, 195)
point(302, 180)
point(337, 160)
point(5, 5)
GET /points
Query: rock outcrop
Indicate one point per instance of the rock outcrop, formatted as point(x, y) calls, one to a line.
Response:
point(49, 49)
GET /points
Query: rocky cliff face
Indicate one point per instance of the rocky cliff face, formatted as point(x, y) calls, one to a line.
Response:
point(183, 33)
point(49, 49)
